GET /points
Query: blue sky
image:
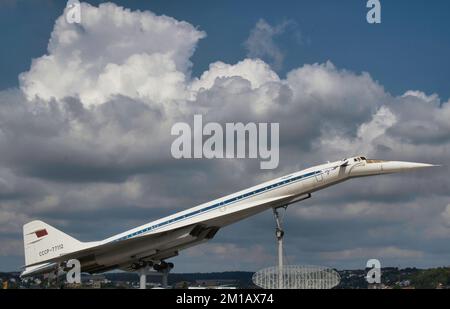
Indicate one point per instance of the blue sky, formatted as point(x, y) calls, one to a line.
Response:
point(408, 50)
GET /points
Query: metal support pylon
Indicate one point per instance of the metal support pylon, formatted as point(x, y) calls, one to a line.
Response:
point(279, 233)
point(148, 269)
point(143, 272)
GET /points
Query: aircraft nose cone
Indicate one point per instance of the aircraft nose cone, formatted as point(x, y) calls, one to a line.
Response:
point(399, 166)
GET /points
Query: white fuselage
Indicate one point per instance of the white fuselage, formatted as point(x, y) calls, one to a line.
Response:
point(229, 209)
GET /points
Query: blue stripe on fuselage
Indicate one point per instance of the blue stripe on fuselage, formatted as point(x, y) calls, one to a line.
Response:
point(220, 204)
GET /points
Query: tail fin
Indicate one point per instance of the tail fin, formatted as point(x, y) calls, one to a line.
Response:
point(43, 242)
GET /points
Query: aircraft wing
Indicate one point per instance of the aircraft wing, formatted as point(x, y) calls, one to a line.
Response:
point(121, 247)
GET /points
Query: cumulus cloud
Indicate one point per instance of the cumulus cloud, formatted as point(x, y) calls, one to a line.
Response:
point(446, 215)
point(421, 96)
point(366, 135)
point(256, 72)
point(85, 142)
point(93, 60)
point(261, 42)
point(367, 253)
point(248, 256)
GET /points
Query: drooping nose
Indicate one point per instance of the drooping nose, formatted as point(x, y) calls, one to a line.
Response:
point(400, 166)
point(378, 167)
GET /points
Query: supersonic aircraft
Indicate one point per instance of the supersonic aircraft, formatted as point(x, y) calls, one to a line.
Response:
point(48, 249)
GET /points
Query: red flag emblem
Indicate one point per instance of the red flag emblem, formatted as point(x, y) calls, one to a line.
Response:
point(41, 233)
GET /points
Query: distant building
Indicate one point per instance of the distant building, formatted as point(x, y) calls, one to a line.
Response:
point(404, 283)
point(96, 281)
point(214, 282)
point(182, 285)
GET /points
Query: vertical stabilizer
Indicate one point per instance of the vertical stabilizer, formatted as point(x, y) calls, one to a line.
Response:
point(43, 242)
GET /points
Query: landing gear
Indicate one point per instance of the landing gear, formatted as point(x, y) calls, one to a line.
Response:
point(53, 277)
point(164, 268)
point(163, 265)
point(147, 268)
point(141, 264)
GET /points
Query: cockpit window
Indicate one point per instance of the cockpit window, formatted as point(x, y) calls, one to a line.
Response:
point(357, 159)
point(374, 161)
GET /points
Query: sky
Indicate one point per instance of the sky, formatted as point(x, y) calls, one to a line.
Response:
point(407, 50)
point(86, 111)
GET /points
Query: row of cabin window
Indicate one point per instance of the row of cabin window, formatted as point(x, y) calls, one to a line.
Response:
point(219, 204)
